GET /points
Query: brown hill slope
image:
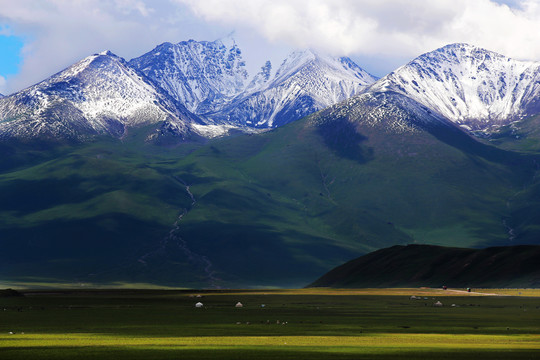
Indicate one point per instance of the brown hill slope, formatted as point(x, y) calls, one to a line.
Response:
point(428, 265)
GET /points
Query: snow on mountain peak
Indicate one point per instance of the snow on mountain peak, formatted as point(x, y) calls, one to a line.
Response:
point(304, 83)
point(199, 74)
point(105, 94)
point(210, 78)
point(107, 53)
point(227, 41)
point(473, 87)
point(99, 94)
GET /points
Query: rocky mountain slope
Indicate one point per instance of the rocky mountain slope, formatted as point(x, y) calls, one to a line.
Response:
point(435, 266)
point(475, 88)
point(211, 80)
point(201, 75)
point(304, 83)
point(186, 89)
point(99, 95)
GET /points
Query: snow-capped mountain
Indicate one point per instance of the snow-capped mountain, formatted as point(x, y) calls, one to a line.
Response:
point(478, 89)
point(211, 80)
point(304, 83)
point(201, 75)
point(100, 94)
point(189, 87)
point(388, 112)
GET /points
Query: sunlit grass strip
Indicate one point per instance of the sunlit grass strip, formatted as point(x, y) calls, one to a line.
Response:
point(513, 292)
point(388, 340)
point(385, 291)
point(44, 284)
point(330, 291)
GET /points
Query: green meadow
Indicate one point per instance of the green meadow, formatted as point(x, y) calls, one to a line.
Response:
point(297, 200)
point(292, 324)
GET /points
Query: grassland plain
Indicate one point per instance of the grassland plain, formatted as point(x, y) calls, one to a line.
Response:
point(292, 324)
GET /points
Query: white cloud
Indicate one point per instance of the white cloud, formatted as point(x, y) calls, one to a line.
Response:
point(58, 33)
point(129, 6)
point(2, 85)
point(383, 33)
point(384, 27)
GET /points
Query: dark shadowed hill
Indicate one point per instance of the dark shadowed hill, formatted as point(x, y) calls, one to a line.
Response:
point(427, 265)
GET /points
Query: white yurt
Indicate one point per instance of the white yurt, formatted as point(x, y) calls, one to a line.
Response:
point(239, 305)
point(199, 305)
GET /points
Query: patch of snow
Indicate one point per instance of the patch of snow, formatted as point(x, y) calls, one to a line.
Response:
point(212, 131)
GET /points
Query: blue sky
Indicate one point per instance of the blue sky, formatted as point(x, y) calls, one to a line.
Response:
point(46, 36)
point(11, 54)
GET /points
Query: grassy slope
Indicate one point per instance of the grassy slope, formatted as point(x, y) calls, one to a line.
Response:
point(521, 136)
point(381, 190)
point(85, 211)
point(278, 209)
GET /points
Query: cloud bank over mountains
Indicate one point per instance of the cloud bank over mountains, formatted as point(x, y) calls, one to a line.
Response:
point(383, 26)
point(57, 33)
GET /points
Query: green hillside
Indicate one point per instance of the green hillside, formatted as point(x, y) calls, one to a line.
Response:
point(434, 266)
point(272, 209)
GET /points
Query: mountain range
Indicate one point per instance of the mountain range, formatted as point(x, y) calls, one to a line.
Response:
point(478, 89)
point(138, 182)
point(188, 89)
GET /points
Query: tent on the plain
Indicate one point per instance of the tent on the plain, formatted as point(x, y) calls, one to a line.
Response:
point(199, 305)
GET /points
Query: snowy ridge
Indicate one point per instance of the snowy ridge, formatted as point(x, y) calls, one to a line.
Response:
point(304, 83)
point(100, 94)
point(201, 75)
point(210, 79)
point(478, 89)
point(103, 94)
point(387, 111)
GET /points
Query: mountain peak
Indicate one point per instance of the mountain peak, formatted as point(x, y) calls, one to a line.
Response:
point(228, 41)
point(461, 52)
point(476, 88)
point(304, 83)
point(295, 61)
point(458, 46)
point(100, 94)
point(107, 53)
point(199, 74)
